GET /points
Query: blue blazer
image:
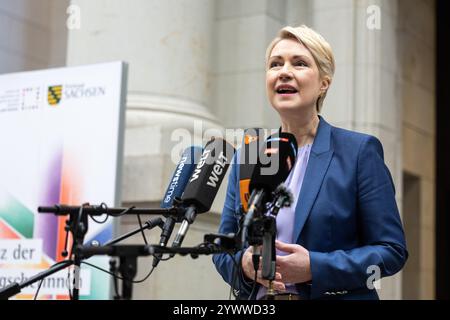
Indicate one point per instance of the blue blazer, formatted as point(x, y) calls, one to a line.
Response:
point(346, 217)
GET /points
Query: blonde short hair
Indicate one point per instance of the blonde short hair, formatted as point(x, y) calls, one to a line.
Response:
point(319, 48)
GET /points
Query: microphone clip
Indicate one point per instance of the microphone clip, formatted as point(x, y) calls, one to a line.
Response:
point(282, 198)
point(228, 242)
point(178, 206)
point(190, 215)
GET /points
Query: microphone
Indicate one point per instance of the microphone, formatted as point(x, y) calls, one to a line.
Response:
point(247, 162)
point(204, 183)
point(276, 160)
point(189, 158)
point(283, 197)
point(188, 161)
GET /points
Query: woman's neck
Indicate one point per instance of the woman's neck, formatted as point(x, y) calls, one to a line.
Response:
point(303, 128)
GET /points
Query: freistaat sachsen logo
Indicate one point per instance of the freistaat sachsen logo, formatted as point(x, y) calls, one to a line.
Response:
point(54, 95)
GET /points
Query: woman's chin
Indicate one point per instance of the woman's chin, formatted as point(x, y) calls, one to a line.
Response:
point(289, 106)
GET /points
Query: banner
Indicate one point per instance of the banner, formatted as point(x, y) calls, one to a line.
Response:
point(61, 141)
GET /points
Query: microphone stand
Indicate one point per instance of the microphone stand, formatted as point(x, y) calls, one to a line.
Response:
point(252, 230)
point(15, 288)
point(98, 210)
point(282, 198)
point(194, 252)
point(127, 255)
point(214, 243)
point(78, 225)
point(269, 254)
point(262, 230)
point(128, 263)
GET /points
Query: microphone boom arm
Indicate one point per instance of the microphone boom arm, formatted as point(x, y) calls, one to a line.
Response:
point(98, 210)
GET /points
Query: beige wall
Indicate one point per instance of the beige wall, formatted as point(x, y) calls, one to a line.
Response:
point(416, 28)
point(243, 31)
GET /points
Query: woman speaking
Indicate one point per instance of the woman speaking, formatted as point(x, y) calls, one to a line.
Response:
point(343, 226)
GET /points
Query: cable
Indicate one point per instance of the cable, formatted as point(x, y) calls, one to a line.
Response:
point(146, 277)
point(119, 277)
point(69, 287)
point(142, 229)
point(123, 212)
point(100, 222)
point(39, 288)
point(254, 287)
point(234, 278)
point(42, 280)
point(74, 235)
point(166, 259)
point(201, 245)
point(105, 271)
point(255, 260)
point(105, 208)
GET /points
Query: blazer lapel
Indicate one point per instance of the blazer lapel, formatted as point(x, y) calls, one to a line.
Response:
point(318, 163)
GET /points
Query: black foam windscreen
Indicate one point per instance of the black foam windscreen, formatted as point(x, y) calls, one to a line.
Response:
point(248, 160)
point(208, 175)
point(276, 160)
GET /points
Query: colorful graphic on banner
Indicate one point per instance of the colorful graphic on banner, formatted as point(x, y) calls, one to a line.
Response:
point(54, 153)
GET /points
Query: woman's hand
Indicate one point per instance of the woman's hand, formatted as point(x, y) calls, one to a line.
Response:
point(294, 267)
point(249, 272)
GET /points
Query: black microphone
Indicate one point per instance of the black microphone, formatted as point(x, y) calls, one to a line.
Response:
point(247, 162)
point(204, 183)
point(180, 179)
point(276, 160)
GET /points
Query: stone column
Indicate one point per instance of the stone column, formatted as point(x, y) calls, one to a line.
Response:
point(417, 46)
point(244, 30)
point(167, 45)
point(365, 95)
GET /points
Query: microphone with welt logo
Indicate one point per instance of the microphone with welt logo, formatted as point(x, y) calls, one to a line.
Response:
point(189, 159)
point(204, 183)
